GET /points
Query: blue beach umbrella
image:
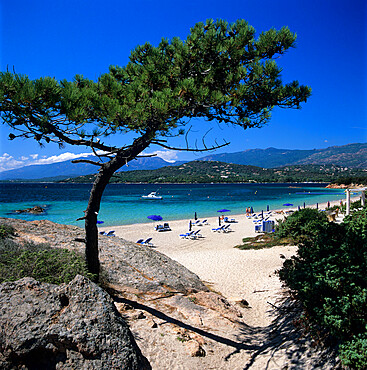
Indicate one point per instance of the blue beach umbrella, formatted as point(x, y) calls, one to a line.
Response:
point(155, 217)
point(287, 204)
point(100, 222)
point(224, 210)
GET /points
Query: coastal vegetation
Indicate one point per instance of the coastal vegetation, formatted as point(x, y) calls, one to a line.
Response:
point(290, 231)
point(221, 73)
point(328, 275)
point(43, 263)
point(214, 171)
point(349, 180)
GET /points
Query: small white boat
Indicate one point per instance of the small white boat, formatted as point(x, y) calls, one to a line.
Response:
point(152, 195)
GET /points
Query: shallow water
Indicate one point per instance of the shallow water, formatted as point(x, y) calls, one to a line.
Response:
point(122, 203)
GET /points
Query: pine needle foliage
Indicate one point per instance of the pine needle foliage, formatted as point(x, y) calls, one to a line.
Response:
point(220, 72)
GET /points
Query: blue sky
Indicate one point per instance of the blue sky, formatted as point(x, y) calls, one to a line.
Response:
point(63, 38)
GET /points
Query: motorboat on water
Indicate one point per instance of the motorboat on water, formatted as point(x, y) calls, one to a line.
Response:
point(152, 195)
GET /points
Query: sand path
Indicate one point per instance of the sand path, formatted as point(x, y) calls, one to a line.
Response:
point(236, 274)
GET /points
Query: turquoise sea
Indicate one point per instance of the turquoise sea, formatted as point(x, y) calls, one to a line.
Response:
point(122, 203)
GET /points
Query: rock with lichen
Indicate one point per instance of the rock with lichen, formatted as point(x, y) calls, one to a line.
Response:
point(73, 326)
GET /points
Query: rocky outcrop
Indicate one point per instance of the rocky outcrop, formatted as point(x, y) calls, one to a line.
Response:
point(36, 210)
point(74, 326)
point(134, 267)
point(343, 186)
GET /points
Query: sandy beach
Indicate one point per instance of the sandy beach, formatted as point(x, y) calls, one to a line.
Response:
point(265, 338)
point(236, 274)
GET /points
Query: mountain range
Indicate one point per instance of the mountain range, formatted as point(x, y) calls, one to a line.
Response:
point(351, 156)
point(215, 172)
point(62, 170)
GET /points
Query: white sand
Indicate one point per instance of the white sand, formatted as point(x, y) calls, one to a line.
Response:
point(237, 274)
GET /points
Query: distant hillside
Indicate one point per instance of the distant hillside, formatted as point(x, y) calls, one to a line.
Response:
point(351, 155)
point(206, 172)
point(67, 169)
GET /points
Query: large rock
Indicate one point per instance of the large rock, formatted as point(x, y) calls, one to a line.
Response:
point(74, 326)
point(124, 264)
point(36, 210)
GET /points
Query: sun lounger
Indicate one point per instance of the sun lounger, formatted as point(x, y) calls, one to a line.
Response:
point(139, 241)
point(110, 233)
point(186, 235)
point(218, 229)
point(229, 220)
point(201, 223)
point(166, 227)
point(226, 229)
point(196, 235)
point(147, 242)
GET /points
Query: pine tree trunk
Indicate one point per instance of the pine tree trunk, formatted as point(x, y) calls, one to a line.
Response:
point(103, 177)
point(91, 214)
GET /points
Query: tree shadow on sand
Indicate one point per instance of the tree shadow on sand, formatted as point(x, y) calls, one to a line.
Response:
point(265, 345)
point(284, 340)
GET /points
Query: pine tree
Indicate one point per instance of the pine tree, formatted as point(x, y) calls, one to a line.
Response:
point(221, 72)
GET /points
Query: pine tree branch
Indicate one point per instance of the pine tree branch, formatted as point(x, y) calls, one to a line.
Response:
point(187, 149)
point(87, 161)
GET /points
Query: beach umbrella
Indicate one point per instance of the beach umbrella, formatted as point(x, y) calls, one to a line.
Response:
point(317, 205)
point(287, 204)
point(155, 217)
point(267, 208)
point(252, 210)
point(196, 216)
point(219, 221)
point(100, 222)
point(262, 214)
point(190, 225)
point(328, 204)
point(304, 204)
point(299, 208)
point(222, 211)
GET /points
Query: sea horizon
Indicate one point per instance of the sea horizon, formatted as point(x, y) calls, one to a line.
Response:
point(122, 203)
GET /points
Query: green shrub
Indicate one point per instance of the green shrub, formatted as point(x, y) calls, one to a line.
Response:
point(357, 223)
point(49, 265)
point(354, 352)
point(328, 276)
point(6, 231)
point(301, 224)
